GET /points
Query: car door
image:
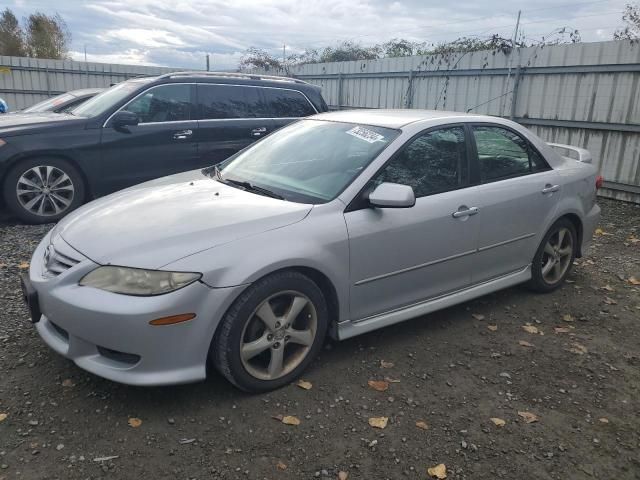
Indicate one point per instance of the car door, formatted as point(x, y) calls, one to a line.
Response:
point(517, 194)
point(161, 144)
point(231, 117)
point(402, 256)
point(285, 105)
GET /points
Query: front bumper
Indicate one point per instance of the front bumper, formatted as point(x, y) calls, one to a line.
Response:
point(109, 334)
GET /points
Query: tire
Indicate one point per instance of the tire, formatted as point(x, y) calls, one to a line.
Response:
point(34, 178)
point(246, 350)
point(554, 257)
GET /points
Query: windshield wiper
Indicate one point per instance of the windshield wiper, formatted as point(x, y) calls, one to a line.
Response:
point(252, 188)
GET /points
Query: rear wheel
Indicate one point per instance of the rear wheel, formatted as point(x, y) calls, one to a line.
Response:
point(43, 190)
point(554, 257)
point(271, 333)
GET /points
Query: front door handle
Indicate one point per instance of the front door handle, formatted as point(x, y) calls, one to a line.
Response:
point(182, 135)
point(463, 211)
point(258, 132)
point(548, 188)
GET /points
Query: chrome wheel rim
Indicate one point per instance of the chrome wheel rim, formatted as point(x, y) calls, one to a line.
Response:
point(557, 255)
point(45, 190)
point(278, 335)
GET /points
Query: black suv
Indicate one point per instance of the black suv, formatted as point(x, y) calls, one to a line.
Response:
point(138, 130)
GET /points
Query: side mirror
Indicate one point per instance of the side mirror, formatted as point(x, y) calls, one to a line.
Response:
point(124, 119)
point(392, 195)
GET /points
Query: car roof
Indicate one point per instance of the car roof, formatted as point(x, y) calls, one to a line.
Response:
point(396, 118)
point(85, 91)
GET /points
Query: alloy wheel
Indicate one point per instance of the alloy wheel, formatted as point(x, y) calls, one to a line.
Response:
point(557, 255)
point(278, 335)
point(45, 190)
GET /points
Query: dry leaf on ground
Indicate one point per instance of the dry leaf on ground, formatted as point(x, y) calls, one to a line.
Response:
point(3, 417)
point(493, 328)
point(530, 329)
point(524, 343)
point(378, 422)
point(603, 420)
point(634, 281)
point(68, 383)
point(290, 420)
point(498, 422)
point(439, 471)
point(23, 265)
point(578, 349)
point(378, 385)
point(568, 318)
point(391, 380)
point(134, 422)
point(384, 364)
point(609, 301)
point(304, 384)
point(528, 417)
point(422, 425)
point(281, 465)
point(343, 475)
point(477, 316)
point(561, 329)
point(608, 288)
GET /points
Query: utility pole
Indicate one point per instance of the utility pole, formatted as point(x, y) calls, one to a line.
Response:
point(85, 52)
point(515, 33)
point(284, 54)
point(514, 92)
point(208, 62)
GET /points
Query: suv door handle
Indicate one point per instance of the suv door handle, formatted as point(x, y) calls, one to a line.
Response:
point(548, 188)
point(463, 211)
point(182, 135)
point(258, 131)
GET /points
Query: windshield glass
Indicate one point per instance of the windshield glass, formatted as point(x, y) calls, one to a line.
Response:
point(310, 161)
point(49, 104)
point(110, 97)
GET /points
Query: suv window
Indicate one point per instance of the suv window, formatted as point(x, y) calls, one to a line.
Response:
point(165, 103)
point(229, 101)
point(503, 153)
point(286, 103)
point(431, 163)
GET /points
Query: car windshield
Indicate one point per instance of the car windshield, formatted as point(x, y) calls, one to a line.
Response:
point(310, 161)
point(110, 97)
point(49, 104)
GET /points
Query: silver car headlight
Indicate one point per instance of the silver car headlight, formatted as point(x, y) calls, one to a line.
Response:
point(136, 281)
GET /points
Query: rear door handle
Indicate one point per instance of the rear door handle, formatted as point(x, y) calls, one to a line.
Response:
point(182, 135)
point(258, 132)
point(463, 211)
point(548, 188)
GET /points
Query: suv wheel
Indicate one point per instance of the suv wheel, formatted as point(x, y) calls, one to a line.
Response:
point(271, 333)
point(43, 190)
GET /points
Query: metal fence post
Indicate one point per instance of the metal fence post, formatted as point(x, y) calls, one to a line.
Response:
point(409, 100)
point(340, 91)
point(514, 93)
point(46, 76)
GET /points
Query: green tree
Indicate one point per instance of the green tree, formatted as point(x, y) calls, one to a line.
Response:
point(631, 17)
point(11, 35)
point(47, 36)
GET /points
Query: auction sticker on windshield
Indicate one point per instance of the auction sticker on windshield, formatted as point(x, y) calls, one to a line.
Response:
point(365, 134)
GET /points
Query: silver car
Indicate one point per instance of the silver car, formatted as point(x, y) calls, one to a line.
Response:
point(335, 225)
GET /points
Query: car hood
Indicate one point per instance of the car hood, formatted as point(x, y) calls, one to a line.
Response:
point(159, 222)
point(18, 122)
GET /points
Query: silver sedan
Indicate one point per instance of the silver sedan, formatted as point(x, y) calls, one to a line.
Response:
point(335, 225)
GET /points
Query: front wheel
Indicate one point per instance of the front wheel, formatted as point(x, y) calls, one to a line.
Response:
point(271, 333)
point(554, 257)
point(43, 190)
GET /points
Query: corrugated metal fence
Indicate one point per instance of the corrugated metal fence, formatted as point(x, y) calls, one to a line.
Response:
point(25, 81)
point(581, 94)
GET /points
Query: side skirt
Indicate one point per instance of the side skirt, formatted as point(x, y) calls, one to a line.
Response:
point(351, 328)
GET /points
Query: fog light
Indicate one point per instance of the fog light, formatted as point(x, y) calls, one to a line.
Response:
point(183, 317)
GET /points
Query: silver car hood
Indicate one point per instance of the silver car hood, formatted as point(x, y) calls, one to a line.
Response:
point(159, 222)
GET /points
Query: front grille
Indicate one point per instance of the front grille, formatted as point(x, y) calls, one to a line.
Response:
point(58, 259)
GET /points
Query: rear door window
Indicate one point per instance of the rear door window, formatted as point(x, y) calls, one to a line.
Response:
point(229, 101)
point(281, 103)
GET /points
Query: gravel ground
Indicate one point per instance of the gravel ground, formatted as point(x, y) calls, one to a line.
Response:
point(453, 370)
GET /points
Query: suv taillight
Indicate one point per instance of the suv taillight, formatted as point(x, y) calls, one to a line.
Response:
point(599, 182)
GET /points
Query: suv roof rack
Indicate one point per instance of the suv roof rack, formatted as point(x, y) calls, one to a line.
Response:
point(250, 76)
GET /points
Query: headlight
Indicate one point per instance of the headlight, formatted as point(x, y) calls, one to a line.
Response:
point(135, 281)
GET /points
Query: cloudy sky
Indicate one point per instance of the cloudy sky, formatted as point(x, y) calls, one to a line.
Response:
point(180, 33)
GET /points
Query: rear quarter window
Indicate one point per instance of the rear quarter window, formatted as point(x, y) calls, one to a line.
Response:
point(286, 103)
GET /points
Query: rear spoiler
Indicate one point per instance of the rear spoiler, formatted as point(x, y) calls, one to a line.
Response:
point(583, 155)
